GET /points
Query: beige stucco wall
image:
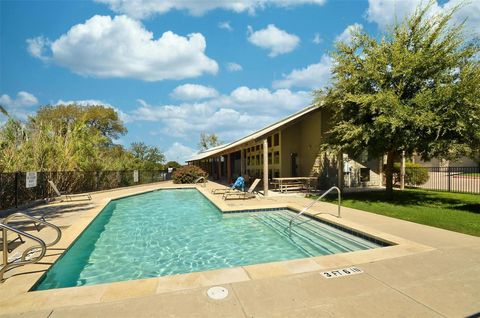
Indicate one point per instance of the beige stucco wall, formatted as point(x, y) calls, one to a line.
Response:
point(303, 138)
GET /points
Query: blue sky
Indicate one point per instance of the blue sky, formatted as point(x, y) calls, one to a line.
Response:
point(176, 68)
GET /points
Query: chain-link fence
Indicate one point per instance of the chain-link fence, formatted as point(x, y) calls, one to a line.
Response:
point(14, 191)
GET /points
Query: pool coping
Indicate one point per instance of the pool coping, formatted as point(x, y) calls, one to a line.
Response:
point(22, 299)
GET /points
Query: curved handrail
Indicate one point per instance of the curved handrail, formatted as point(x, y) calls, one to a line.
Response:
point(200, 178)
point(23, 261)
point(290, 223)
point(36, 220)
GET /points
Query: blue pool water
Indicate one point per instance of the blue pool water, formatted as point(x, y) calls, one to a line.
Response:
point(180, 231)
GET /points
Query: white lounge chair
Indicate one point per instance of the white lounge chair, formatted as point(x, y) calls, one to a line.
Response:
point(67, 196)
point(242, 195)
point(222, 190)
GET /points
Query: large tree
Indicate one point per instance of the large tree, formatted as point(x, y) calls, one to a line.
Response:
point(417, 90)
point(71, 138)
point(208, 141)
point(96, 117)
point(150, 157)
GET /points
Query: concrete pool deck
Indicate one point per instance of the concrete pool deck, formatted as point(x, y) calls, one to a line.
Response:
point(430, 272)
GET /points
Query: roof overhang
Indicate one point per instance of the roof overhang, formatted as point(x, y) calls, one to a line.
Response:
point(256, 136)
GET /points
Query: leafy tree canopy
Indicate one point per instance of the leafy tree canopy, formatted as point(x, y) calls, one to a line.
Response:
point(415, 90)
point(79, 139)
point(172, 164)
point(151, 156)
point(208, 141)
point(101, 118)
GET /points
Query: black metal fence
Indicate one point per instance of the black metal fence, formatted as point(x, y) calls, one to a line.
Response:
point(14, 191)
point(452, 179)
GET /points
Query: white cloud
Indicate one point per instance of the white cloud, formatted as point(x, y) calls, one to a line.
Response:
point(346, 36)
point(37, 47)
point(229, 116)
point(317, 39)
point(313, 76)
point(18, 107)
point(89, 102)
point(193, 92)
point(145, 8)
point(24, 99)
point(262, 100)
point(386, 12)
point(469, 12)
point(225, 25)
point(273, 39)
point(234, 67)
point(179, 153)
point(121, 47)
point(83, 102)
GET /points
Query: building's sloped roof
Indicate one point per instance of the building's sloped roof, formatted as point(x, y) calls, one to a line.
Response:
point(253, 136)
point(206, 153)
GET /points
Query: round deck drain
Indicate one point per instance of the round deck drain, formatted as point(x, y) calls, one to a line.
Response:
point(217, 292)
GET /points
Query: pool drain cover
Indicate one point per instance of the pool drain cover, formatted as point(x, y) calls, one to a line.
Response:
point(217, 292)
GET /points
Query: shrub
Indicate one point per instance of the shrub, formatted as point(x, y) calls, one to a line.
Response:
point(415, 174)
point(188, 174)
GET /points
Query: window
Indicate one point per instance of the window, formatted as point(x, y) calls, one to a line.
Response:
point(276, 157)
point(364, 174)
point(269, 141)
point(276, 140)
point(269, 158)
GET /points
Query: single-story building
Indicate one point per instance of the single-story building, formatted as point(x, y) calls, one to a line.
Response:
point(290, 147)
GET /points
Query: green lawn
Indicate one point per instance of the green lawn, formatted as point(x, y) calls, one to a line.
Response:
point(451, 211)
point(471, 174)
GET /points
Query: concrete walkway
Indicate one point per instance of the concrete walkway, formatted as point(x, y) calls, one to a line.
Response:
point(431, 273)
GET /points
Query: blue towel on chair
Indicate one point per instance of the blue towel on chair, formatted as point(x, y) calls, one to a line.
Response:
point(239, 184)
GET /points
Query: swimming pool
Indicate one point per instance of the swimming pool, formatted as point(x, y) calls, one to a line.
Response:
point(177, 231)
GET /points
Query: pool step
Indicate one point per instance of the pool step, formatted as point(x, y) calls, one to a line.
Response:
point(342, 240)
point(305, 241)
point(314, 238)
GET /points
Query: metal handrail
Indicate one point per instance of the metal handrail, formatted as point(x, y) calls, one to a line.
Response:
point(36, 220)
point(290, 223)
point(6, 265)
point(200, 178)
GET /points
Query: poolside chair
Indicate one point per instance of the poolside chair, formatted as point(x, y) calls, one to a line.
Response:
point(242, 195)
point(222, 190)
point(67, 196)
point(239, 184)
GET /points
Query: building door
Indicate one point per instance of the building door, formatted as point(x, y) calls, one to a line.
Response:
point(294, 166)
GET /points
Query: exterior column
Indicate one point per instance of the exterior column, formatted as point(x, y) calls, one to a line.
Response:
point(340, 174)
point(265, 167)
point(229, 169)
point(219, 165)
point(380, 170)
point(402, 171)
point(242, 162)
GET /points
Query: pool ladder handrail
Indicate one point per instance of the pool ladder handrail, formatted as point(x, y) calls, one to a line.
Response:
point(200, 178)
point(23, 261)
point(290, 223)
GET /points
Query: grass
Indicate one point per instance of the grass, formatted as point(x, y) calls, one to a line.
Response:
point(457, 212)
point(471, 174)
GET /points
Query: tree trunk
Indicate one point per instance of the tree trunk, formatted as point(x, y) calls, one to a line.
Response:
point(389, 174)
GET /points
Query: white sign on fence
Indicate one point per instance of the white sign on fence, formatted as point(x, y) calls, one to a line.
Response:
point(31, 179)
point(135, 175)
point(342, 272)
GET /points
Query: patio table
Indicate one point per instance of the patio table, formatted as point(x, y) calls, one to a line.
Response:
point(293, 183)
